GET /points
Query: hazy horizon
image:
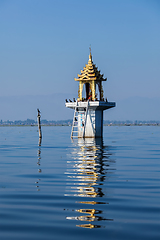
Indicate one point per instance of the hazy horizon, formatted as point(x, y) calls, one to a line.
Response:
point(52, 107)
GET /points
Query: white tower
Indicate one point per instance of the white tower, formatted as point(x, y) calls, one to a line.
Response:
point(88, 114)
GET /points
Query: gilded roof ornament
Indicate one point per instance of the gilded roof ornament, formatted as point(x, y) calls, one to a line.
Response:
point(90, 72)
point(90, 54)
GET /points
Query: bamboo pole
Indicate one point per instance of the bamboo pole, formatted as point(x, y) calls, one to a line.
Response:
point(39, 123)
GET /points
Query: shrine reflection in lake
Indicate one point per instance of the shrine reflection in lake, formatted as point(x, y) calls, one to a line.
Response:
point(90, 167)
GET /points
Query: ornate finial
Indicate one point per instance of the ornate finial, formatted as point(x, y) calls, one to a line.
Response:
point(90, 55)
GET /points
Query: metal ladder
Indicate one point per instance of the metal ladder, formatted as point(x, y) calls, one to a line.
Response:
point(75, 120)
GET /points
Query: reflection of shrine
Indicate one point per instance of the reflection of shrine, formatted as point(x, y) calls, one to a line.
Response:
point(87, 172)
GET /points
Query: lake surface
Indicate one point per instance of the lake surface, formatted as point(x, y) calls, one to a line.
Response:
point(108, 189)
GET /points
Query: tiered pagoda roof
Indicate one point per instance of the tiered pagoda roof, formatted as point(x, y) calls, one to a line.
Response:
point(90, 72)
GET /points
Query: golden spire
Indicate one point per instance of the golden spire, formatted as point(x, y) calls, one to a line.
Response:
point(90, 76)
point(90, 54)
point(90, 72)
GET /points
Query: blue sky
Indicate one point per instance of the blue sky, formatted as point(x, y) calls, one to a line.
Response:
point(45, 44)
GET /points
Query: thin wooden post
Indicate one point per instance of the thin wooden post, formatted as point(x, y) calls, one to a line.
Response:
point(39, 123)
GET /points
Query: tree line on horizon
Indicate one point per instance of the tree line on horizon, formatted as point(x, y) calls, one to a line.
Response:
point(32, 122)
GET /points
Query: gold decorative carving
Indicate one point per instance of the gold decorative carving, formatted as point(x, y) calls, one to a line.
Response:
point(90, 74)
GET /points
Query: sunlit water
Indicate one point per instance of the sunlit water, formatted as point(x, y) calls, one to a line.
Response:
point(85, 189)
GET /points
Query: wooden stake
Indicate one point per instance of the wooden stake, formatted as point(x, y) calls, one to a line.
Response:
point(39, 123)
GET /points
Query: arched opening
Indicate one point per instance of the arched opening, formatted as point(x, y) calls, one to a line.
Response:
point(83, 91)
point(99, 86)
point(88, 91)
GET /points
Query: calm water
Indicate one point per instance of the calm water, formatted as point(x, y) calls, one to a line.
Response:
point(108, 189)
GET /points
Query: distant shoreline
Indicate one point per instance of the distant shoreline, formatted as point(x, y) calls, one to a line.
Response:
point(108, 125)
point(68, 122)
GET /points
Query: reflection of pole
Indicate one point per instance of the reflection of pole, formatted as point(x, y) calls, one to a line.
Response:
point(40, 141)
point(39, 159)
point(39, 123)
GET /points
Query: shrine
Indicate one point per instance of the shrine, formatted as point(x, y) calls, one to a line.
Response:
point(90, 104)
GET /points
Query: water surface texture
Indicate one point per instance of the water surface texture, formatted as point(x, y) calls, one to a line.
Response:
point(58, 189)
